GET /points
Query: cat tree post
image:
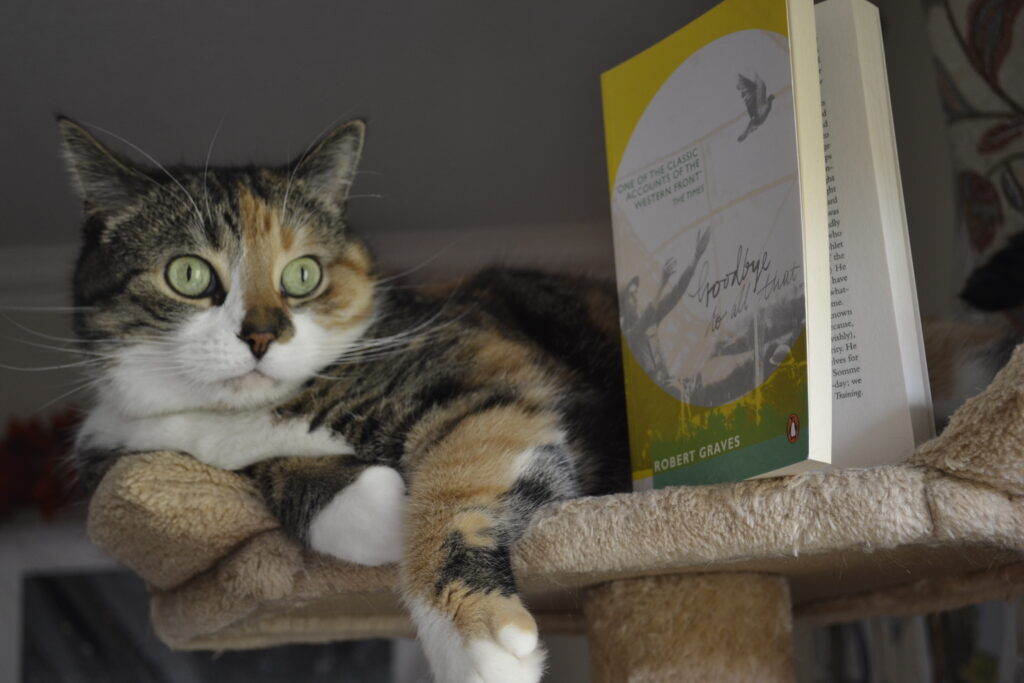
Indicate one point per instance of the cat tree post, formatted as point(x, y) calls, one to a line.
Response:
point(691, 627)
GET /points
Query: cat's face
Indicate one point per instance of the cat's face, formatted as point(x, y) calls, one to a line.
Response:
point(225, 288)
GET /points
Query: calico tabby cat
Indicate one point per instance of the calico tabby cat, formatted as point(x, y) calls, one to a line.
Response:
point(242, 322)
point(965, 352)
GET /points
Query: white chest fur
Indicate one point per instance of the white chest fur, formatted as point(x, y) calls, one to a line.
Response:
point(228, 440)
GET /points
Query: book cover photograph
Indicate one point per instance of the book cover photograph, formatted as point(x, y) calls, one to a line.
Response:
point(706, 209)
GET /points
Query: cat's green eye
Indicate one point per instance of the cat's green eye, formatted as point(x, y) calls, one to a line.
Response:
point(190, 276)
point(301, 276)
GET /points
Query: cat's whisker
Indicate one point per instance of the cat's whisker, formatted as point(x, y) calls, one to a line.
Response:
point(382, 344)
point(49, 347)
point(375, 352)
point(103, 352)
point(114, 341)
point(155, 163)
point(423, 339)
point(374, 342)
point(73, 340)
point(302, 158)
point(422, 265)
point(358, 359)
point(36, 333)
point(100, 358)
point(51, 368)
point(392, 347)
point(411, 285)
point(357, 355)
point(46, 309)
point(85, 385)
point(84, 378)
point(375, 349)
point(135, 341)
point(206, 168)
point(411, 334)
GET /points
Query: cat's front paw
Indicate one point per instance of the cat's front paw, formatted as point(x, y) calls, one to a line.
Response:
point(500, 644)
point(363, 522)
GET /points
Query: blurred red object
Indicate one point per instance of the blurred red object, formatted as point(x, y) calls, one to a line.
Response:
point(35, 465)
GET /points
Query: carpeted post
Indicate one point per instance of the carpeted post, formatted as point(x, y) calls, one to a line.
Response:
point(691, 627)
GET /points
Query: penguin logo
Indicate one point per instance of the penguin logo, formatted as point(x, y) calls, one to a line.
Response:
point(793, 428)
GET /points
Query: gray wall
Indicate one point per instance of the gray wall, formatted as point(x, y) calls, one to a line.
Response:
point(485, 133)
point(480, 113)
point(925, 161)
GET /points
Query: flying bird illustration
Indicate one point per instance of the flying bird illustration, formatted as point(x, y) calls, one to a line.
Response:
point(758, 103)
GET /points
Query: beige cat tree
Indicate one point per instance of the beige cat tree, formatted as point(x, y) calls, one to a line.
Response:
point(719, 572)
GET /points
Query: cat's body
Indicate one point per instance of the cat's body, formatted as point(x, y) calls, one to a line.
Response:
point(244, 324)
point(963, 357)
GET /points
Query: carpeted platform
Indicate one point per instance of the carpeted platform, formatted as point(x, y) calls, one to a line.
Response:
point(943, 530)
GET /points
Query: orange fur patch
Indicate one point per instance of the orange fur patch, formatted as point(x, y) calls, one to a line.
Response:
point(263, 239)
point(348, 300)
point(497, 358)
point(482, 615)
point(464, 477)
point(603, 310)
point(358, 259)
point(475, 527)
point(947, 343)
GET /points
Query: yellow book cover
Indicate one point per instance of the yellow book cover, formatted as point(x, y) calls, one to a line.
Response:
point(703, 171)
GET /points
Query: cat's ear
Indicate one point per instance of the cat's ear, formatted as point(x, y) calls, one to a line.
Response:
point(329, 167)
point(104, 180)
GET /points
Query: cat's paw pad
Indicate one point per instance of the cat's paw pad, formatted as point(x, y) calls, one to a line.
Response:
point(363, 523)
point(504, 647)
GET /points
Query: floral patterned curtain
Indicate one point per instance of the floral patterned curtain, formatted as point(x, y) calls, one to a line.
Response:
point(979, 52)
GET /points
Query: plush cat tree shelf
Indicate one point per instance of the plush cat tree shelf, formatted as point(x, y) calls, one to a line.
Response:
point(695, 583)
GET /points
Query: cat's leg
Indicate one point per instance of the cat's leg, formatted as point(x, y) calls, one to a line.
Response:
point(336, 505)
point(471, 498)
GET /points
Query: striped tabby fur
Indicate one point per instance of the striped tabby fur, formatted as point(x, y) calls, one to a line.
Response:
point(469, 408)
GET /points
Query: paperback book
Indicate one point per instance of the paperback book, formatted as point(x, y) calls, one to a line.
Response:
point(767, 303)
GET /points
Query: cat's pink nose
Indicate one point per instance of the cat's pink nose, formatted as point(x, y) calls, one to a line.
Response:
point(259, 342)
point(264, 325)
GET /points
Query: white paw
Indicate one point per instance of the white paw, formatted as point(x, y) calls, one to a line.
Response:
point(518, 641)
point(493, 663)
point(516, 657)
point(363, 523)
